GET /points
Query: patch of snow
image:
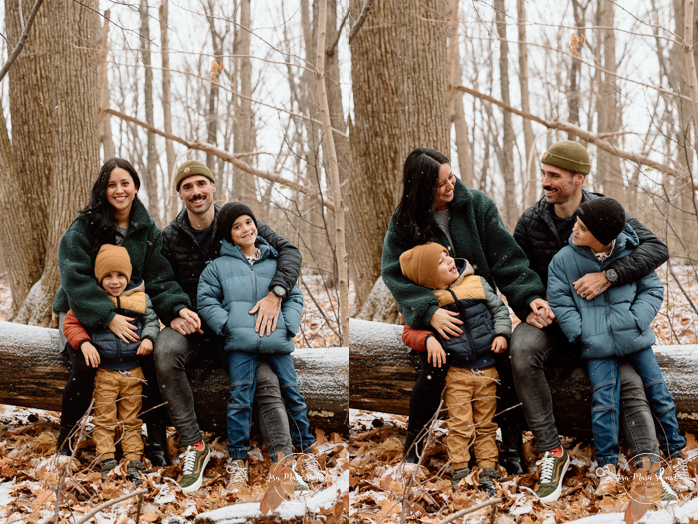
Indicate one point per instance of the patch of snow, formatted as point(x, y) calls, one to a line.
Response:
point(679, 514)
point(240, 513)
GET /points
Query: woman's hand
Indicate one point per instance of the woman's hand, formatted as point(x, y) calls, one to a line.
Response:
point(121, 327)
point(444, 323)
point(91, 354)
point(146, 347)
point(499, 344)
point(436, 355)
point(541, 315)
point(192, 318)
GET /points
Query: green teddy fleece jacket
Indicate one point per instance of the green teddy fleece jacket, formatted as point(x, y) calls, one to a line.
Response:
point(479, 235)
point(80, 291)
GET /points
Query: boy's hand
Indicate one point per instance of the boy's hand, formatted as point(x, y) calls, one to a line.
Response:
point(436, 354)
point(499, 345)
point(591, 285)
point(146, 347)
point(91, 354)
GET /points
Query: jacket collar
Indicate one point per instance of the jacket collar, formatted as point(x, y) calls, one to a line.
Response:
point(546, 211)
point(139, 217)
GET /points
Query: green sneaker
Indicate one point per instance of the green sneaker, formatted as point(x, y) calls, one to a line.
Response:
point(552, 472)
point(669, 496)
point(193, 465)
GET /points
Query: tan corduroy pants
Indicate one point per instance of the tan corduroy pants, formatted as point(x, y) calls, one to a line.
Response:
point(471, 401)
point(118, 400)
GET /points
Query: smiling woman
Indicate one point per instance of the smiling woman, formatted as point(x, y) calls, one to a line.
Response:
point(114, 215)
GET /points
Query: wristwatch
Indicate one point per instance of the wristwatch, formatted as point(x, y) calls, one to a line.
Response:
point(612, 276)
point(279, 291)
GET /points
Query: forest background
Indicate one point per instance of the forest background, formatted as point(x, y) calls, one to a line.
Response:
point(244, 88)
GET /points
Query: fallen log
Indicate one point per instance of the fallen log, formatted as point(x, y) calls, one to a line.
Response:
point(33, 374)
point(383, 371)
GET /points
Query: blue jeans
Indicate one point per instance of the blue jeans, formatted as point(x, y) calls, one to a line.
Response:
point(243, 380)
point(604, 377)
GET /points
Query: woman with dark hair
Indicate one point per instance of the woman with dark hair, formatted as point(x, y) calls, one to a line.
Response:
point(437, 207)
point(114, 215)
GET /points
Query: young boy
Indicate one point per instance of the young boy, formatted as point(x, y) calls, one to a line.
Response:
point(228, 289)
point(471, 387)
point(119, 378)
point(613, 326)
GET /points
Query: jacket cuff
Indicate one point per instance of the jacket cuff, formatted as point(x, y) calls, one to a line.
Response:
point(430, 313)
point(79, 348)
point(110, 317)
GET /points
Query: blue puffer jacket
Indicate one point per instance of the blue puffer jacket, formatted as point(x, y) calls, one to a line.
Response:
point(615, 323)
point(484, 317)
point(229, 288)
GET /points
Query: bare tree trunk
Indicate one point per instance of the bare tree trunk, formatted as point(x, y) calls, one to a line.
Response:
point(457, 110)
point(172, 200)
point(23, 233)
point(212, 102)
point(74, 100)
point(330, 152)
point(529, 179)
point(422, 49)
point(377, 164)
point(608, 165)
point(511, 213)
point(150, 174)
point(104, 118)
point(244, 141)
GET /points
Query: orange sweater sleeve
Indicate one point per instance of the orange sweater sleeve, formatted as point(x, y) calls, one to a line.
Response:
point(415, 338)
point(74, 332)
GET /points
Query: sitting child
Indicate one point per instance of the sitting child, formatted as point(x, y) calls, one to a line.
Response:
point(471, 387)
point(613, 326)
point(228, 289)
point(119, 378)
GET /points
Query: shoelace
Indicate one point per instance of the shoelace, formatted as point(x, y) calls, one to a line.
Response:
point(312, 469)
point(301, 485)
point(237, 473)
point(547, 463)
point(666, 489)
point(607, 477)
point(189, 459)
point(681, 471)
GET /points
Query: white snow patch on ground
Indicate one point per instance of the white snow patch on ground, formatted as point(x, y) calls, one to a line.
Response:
point(677, 514)
point(240, 513)
point(5, 498)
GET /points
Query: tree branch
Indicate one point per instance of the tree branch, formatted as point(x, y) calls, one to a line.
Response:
point(459, 514)
point(108, 503)
point(224, 155)
point(22, 40)
point(360, 21)
point(581, 133)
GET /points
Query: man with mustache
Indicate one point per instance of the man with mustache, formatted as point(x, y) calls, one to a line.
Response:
point(541, 231)
point(190, 242)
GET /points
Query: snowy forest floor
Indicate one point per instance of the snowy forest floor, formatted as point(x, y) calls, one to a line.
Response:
point(378, 480)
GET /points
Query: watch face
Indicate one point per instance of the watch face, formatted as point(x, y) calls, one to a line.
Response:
point(611, 275)
point(279, 291)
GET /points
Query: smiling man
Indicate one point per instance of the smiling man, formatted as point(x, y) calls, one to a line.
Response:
point(542, 231)
point(190, 242)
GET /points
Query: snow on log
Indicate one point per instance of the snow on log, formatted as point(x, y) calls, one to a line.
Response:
point(33, 374)
point(383, 371)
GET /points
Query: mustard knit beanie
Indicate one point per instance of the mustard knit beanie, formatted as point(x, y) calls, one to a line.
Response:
point(568, 155)
point(112, 258)
point(421, 263)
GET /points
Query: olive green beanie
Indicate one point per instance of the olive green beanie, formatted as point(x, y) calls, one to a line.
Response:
point(191, 168)
point(568, 155)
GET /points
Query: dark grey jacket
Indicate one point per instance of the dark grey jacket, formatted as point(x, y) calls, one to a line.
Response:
point(536, 234)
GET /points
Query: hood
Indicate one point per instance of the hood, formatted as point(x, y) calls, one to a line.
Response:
point(230, 250)
point(464, 269)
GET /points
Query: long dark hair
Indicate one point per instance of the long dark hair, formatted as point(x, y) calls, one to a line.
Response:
point(414, 217)
point(102, 224)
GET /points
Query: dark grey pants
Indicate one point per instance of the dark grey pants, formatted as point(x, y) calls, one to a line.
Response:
point(175, 352)
point(531, 349)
